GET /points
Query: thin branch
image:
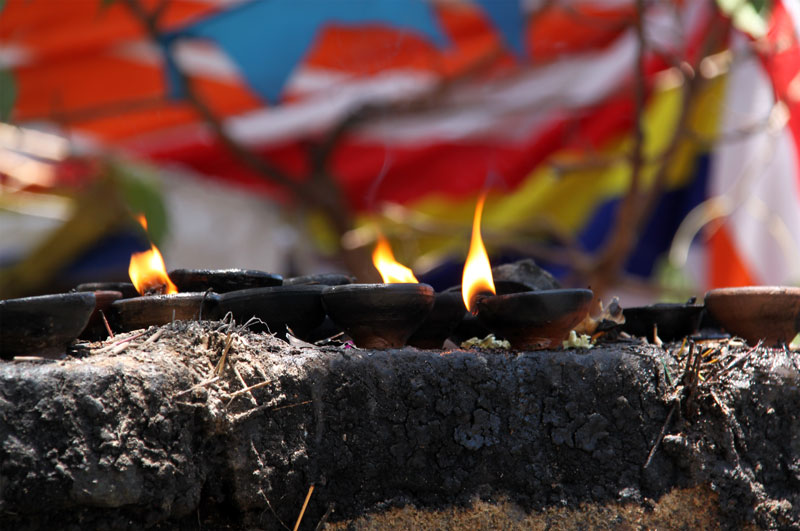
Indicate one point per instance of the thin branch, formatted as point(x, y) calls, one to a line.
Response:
point(150, 22)
point(327, 198)
point(660, 436)
point(623, 237)
point(637, 206)
point(303, 510)
point(200, 385)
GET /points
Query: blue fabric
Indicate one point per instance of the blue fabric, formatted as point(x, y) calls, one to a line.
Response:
point(268, 38)
point(660, 230)
point(508, 18)
point(107, 259)
point(176, 88)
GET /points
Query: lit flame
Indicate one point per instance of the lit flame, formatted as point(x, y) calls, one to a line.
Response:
point(147, 270)
point(477, 275)
point(391, 271)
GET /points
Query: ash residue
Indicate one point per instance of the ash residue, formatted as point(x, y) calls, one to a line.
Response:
point(159, 433)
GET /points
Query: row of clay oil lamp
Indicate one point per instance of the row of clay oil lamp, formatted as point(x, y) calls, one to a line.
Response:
point(375, 316)
point(43, 325)
point(400, 311)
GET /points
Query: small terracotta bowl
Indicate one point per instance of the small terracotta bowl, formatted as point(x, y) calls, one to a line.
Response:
point(535, 319)
point(298, 307)
point(156, 310)
point(771, 313)
point(43, 325)
point(379, 316)
point(222, 280)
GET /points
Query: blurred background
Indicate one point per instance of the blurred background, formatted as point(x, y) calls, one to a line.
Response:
point(648, 149)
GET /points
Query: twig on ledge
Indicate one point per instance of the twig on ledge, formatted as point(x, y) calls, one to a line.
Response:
point(110, 347)
point(248, 390)
point(250, 412)
point(661, 434)
point(244, 384)
point(105, 322)
point(202, 384)
point(734, 363)
point(156, 336)
point(303, 510)
point(324, 518)
point(220, 368)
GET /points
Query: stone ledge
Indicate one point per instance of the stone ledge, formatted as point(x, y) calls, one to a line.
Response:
point(145, 437)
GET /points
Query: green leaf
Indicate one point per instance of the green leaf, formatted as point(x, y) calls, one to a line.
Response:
point(761, 5)
point(746, 15)
point(795, 344)
point(140, 190)
point(675, 283)
point(105, 4)
point(8, 94)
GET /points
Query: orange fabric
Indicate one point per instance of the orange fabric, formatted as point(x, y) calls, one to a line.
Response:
point(369, 50)
point(73, 76)
point(49, 29)
point(554, 31)
point(133, 122)
point(119, 90)
point(559, 30)
point(726, 268)
point(87, 82)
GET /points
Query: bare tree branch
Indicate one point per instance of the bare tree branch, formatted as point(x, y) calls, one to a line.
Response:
point(637, 207)
point(318, 190)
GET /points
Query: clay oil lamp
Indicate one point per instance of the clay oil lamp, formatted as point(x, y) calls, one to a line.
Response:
point(43, 325)
point(470, 326)
point(768, 313)
point(528, 320)
point(156, 310)
point(323, 279)
point(160, 302)
point(275, 308)
point(222, 280)
point(380, 316)
point(327, 329)
point(127, 289)
point(670, 321)
point(447, 312)
point(296, 306)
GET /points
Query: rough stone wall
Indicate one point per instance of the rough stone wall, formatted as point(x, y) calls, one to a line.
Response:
point(146, 436)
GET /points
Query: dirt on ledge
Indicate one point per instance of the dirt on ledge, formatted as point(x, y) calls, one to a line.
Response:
point(142, 432)
point(681, 508)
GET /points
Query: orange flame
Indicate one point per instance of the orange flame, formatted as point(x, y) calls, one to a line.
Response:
point(477, 275)
point(390, 269)
point(147, 270)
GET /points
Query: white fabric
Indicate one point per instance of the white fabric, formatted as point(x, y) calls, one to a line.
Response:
point(757, 174)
